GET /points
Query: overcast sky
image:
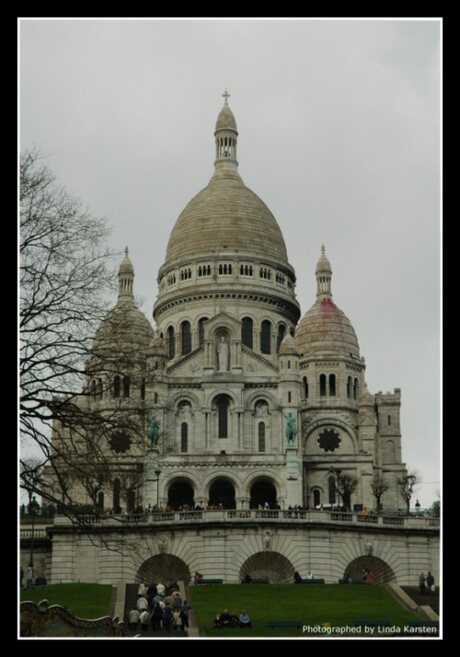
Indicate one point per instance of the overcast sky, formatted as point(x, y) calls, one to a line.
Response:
point(338, 133)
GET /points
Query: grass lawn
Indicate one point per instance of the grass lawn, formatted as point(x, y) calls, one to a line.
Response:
point(83, 600)
point(314, 604)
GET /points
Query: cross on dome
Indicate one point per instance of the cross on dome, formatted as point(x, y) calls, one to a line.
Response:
point(226, 95)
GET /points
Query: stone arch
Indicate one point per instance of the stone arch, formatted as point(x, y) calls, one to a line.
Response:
point(180, 474)
point(260, 395)
point(262, 489)
point(209, 480)
point(252, 478)
point(270, 565)
point(181, 491)
point(161, 568)
point(185, 395)
point(222, 490)
point(382, 573)
point(221, 391)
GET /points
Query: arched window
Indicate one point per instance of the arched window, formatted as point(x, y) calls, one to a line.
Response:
point(171, 343)
point(184, 437)
point(222, 405)
point(305, 387)
point(280, 336)
point(332, 391)
point(349, 387)
point(126, 386)
point(247, 332)
point(93, 391)
point(316, 498)
point(261, 434)
point(265, 337)
point(100, 501)
point(155, 398)
point(130, 500)
point(331, 488)
point(201, 330)
point(116, 496)
point(356, 389)
point(116, 386)
point(322, 385)
point(143, 389)
point(186, 338)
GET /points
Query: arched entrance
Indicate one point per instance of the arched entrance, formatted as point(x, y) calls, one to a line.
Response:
point(180, 494)
point(262, 490)
point(381, 571)
point(222, 492)
point(270, 565)
point(161, 568)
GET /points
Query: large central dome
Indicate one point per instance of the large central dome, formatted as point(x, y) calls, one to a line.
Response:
point(226, 215)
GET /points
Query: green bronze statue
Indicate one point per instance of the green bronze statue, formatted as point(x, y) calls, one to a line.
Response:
point(291, 428)
point(153, 430)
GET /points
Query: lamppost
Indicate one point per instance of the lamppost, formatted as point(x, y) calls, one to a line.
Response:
point(158, 473)
point(32, 508)
point(417, 507)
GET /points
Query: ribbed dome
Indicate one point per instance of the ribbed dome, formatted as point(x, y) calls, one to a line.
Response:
point(226, 215)
point(325, 328)
point(226, 120)
point(126, 266)
point(288, 346)
point(124, 324)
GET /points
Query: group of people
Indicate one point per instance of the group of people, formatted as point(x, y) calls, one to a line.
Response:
point(298, 577)
point(426, 584)
point(31, 580)
point(367, 576)
point(159, 607)
point(226, 619)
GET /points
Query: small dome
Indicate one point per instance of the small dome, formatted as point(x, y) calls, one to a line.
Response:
point(326, 329)
point(125, 325)
point(323, 266)
point(126, 266)
point(288, 346)
point(226, 120)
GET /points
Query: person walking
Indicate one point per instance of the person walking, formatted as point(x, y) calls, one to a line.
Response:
point(422, 583)
point(30, 577)
point(430, 583)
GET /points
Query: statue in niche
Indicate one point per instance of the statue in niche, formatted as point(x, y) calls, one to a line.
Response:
point(267, 541)
point(261, 409)
point(222, 354)
point(184, 410)
point(153, 431)
point(291, 428)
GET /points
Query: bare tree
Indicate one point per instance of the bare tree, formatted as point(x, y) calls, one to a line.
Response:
point(346, 485)
point(31, 470)
point(406, 484)
point(66, 281)
point(379, 485)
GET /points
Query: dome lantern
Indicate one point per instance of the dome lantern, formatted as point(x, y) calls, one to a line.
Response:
point(323, 276)
point(125, 278)
point(226, 136)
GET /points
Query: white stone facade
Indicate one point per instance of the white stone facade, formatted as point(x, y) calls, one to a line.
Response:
point(253, 407)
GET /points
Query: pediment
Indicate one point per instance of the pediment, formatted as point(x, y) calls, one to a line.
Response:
point(223, 319)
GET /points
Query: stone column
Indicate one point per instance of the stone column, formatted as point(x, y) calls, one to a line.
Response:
point(150, 488)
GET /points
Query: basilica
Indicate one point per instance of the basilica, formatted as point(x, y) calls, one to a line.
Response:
point(242, 401)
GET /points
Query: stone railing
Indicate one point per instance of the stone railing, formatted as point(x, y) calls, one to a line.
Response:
point(240, 515)
point(35, 533)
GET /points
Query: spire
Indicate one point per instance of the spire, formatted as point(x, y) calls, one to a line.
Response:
point(226, 136)
point(125, 278)
point(323, 276)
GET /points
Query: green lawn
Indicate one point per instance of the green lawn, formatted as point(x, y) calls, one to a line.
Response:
point(314, 604)
point(83, 600)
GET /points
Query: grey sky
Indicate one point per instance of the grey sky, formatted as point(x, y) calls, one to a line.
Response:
point(338, 133)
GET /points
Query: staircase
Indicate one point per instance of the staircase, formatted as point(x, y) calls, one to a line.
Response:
point(130, 603)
